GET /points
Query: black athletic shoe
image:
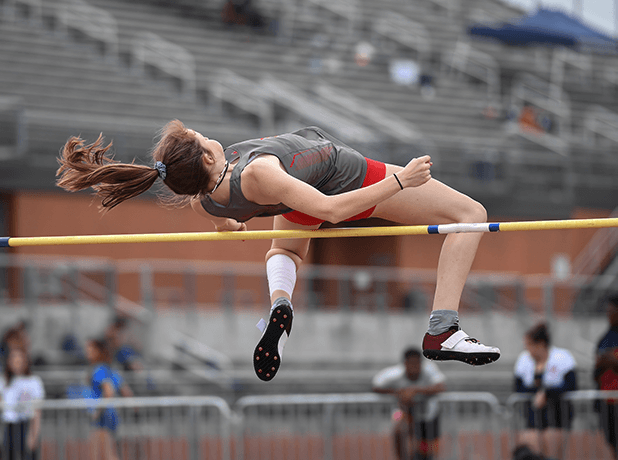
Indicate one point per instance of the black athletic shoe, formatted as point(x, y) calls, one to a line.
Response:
point(267, 354)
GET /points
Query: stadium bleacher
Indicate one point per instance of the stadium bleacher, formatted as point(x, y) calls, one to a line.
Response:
point(94, 92)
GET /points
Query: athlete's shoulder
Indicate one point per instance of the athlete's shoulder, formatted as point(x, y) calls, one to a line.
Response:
point(262, 166)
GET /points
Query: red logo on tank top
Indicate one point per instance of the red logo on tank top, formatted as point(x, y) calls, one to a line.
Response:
point(310, 157)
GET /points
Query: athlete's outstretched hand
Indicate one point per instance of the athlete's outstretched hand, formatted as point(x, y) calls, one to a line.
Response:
point(231, 225)
point(416, 172)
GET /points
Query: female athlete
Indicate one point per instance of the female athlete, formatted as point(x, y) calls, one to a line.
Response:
point(301, 178)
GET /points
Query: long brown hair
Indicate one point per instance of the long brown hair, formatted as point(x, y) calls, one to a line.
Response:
point(83, 166)
point(9, 373)
point(103, 352)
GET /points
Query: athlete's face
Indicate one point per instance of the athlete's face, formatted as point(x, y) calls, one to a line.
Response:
point(210, 145)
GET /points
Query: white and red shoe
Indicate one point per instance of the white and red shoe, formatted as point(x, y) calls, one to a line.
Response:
point(456, 345)
point(267, 354)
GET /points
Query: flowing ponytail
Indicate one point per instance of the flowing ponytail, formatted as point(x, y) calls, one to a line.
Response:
point(83, 166)
point(178, 156)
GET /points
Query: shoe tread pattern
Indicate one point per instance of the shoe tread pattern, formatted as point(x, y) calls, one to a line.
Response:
point(474, 359)
point(266, 359)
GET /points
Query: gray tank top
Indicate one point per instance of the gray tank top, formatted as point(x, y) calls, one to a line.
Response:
point(309, 154)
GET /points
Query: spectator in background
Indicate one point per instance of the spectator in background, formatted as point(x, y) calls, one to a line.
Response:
point(546, 373)
point(104, 383)
point(606, 375)
point(22, 420)
point(242, 13)
point(15, 337)
point(416, 429)
point(122, 352)
point(528, 120)
point(363, 53)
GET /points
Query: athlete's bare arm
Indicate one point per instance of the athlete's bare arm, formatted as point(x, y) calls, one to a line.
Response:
point(265, 182)
point(222, 224)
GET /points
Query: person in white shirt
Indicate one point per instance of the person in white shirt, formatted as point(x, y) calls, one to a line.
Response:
point(546, 373)
point(416, 425)
point(22, 420)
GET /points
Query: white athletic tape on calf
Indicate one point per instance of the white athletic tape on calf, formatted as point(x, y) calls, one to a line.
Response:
point(281, 274)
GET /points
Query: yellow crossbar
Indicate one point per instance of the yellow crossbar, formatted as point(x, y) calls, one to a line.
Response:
point(320, 233)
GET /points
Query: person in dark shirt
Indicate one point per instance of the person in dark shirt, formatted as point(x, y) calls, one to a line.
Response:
point(546, 373)
point(303, 179)
point(606, 374)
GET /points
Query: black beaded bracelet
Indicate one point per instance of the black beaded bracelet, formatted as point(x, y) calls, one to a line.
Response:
point(398, 181)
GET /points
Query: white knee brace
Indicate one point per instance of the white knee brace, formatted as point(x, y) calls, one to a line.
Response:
point(281, 274)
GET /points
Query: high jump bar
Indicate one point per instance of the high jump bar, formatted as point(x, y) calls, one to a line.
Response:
point(319, 233)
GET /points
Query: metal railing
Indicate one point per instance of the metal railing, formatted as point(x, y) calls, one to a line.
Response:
point(585, 420)
point(405, 32)
point(342, 426)
point(305, 107)
point(227, 86)
point(139, 287)
point(528, 88)
point(400, 129)
point(311, 426)
point(174, 60)
point(143, 428)
point(598, 252)
point(91, 21)
point(600, 122)
point(465, 59)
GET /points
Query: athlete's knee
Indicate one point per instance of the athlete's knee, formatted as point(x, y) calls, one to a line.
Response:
point(473, 212)
point(480, 212)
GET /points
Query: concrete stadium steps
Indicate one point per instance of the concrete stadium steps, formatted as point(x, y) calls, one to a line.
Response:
point(65, 90)
point(212, 47)
point(454, 104)
point(231, 49)
point(445, 119)
point(251, 59)
point(51, 75)
point(453, 119)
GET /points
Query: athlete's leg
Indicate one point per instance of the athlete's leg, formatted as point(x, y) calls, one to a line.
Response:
point(282, 261)
point(293, 249)
point(436, 203)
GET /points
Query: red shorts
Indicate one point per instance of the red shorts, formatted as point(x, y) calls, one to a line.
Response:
point(376, 171)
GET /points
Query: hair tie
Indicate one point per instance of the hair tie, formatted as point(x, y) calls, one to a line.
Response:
point(161, 169)
point(398, 181)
